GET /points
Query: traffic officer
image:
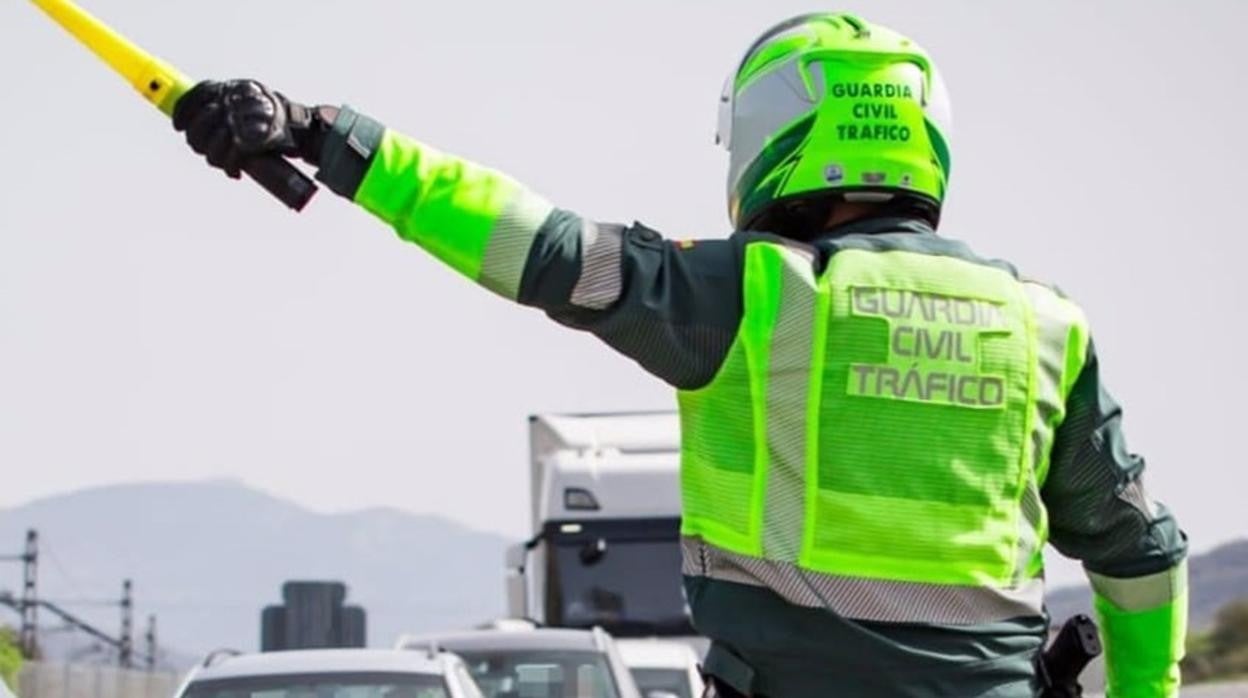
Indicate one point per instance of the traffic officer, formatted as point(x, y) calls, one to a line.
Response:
point(880, 428)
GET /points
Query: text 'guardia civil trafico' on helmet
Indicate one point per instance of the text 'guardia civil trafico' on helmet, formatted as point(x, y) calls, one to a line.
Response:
point(826, 106)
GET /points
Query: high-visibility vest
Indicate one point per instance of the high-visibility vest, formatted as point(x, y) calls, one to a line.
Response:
point(887, 419)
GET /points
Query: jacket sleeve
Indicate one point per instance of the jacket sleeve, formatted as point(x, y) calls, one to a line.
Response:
point(672, 307)
point(1131, 546)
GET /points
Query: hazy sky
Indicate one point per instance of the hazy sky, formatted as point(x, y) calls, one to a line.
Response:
point(158, 321)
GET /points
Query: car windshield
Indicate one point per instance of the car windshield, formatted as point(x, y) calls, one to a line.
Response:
point(628, 587)
point(541, 674)
point(326, 685)
point(673, 681)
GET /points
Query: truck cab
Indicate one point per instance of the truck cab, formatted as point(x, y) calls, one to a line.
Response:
point(605, 543)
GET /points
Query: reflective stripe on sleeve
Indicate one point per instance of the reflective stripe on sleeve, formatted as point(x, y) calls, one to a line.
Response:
point(601, 280)
point(1133, 594)
point(510, 241)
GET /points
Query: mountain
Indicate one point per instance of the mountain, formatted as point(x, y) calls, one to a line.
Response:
point(1218, 577)
point(206, 557)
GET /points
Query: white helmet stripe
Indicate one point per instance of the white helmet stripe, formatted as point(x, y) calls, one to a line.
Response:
point(762, 109)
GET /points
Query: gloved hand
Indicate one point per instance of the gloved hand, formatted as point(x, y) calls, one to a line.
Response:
point(228, 122)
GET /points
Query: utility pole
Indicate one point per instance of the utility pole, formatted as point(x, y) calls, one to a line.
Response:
point(125, 647)
point(30, 596)
point(150, 639)
point(29, 603)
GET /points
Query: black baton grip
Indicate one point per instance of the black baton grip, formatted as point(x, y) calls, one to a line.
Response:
point(281, 179)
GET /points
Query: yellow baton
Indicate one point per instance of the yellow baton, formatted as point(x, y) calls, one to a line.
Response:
point(163, 85)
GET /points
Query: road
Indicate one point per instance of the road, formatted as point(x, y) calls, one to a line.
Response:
point(1224, 690)
point(1229, 690)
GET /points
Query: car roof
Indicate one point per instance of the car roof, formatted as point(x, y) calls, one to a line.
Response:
point(650, 653)
point(510, 639)
point(326, 661)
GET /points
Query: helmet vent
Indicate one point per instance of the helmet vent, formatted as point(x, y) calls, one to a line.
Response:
point(861, 30)
point(868, 197)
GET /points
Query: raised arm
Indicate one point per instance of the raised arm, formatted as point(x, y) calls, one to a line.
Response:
point(672, 307)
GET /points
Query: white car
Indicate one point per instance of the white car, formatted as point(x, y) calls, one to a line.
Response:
point(339, 673)
point(662, 668)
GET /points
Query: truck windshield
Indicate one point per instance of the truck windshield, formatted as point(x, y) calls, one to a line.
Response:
point(623, 575)
point(322, 685)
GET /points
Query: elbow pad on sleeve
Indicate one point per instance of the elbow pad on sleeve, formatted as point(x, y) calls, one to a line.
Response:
point(1144, 630)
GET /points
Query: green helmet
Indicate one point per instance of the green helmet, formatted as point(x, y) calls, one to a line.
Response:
point(828, 107)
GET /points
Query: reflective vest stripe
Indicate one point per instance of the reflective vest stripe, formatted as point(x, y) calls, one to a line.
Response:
point(1061, 348)
point(789, 400)
point(862, 598)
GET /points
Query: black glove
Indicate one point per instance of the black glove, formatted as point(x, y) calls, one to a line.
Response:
point(228, 122)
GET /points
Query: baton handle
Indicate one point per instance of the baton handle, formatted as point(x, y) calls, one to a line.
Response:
point(281, 179)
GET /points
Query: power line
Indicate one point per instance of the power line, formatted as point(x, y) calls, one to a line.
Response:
point(29, 603)
point(92, 603)
point(63, 570)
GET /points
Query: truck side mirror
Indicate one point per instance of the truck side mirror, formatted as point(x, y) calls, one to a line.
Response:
point(593, 551)
point(516, 585)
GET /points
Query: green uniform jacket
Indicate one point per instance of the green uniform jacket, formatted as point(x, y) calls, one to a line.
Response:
point(675, 308)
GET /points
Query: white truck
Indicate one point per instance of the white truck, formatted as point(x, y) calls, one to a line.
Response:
point(605, 545)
